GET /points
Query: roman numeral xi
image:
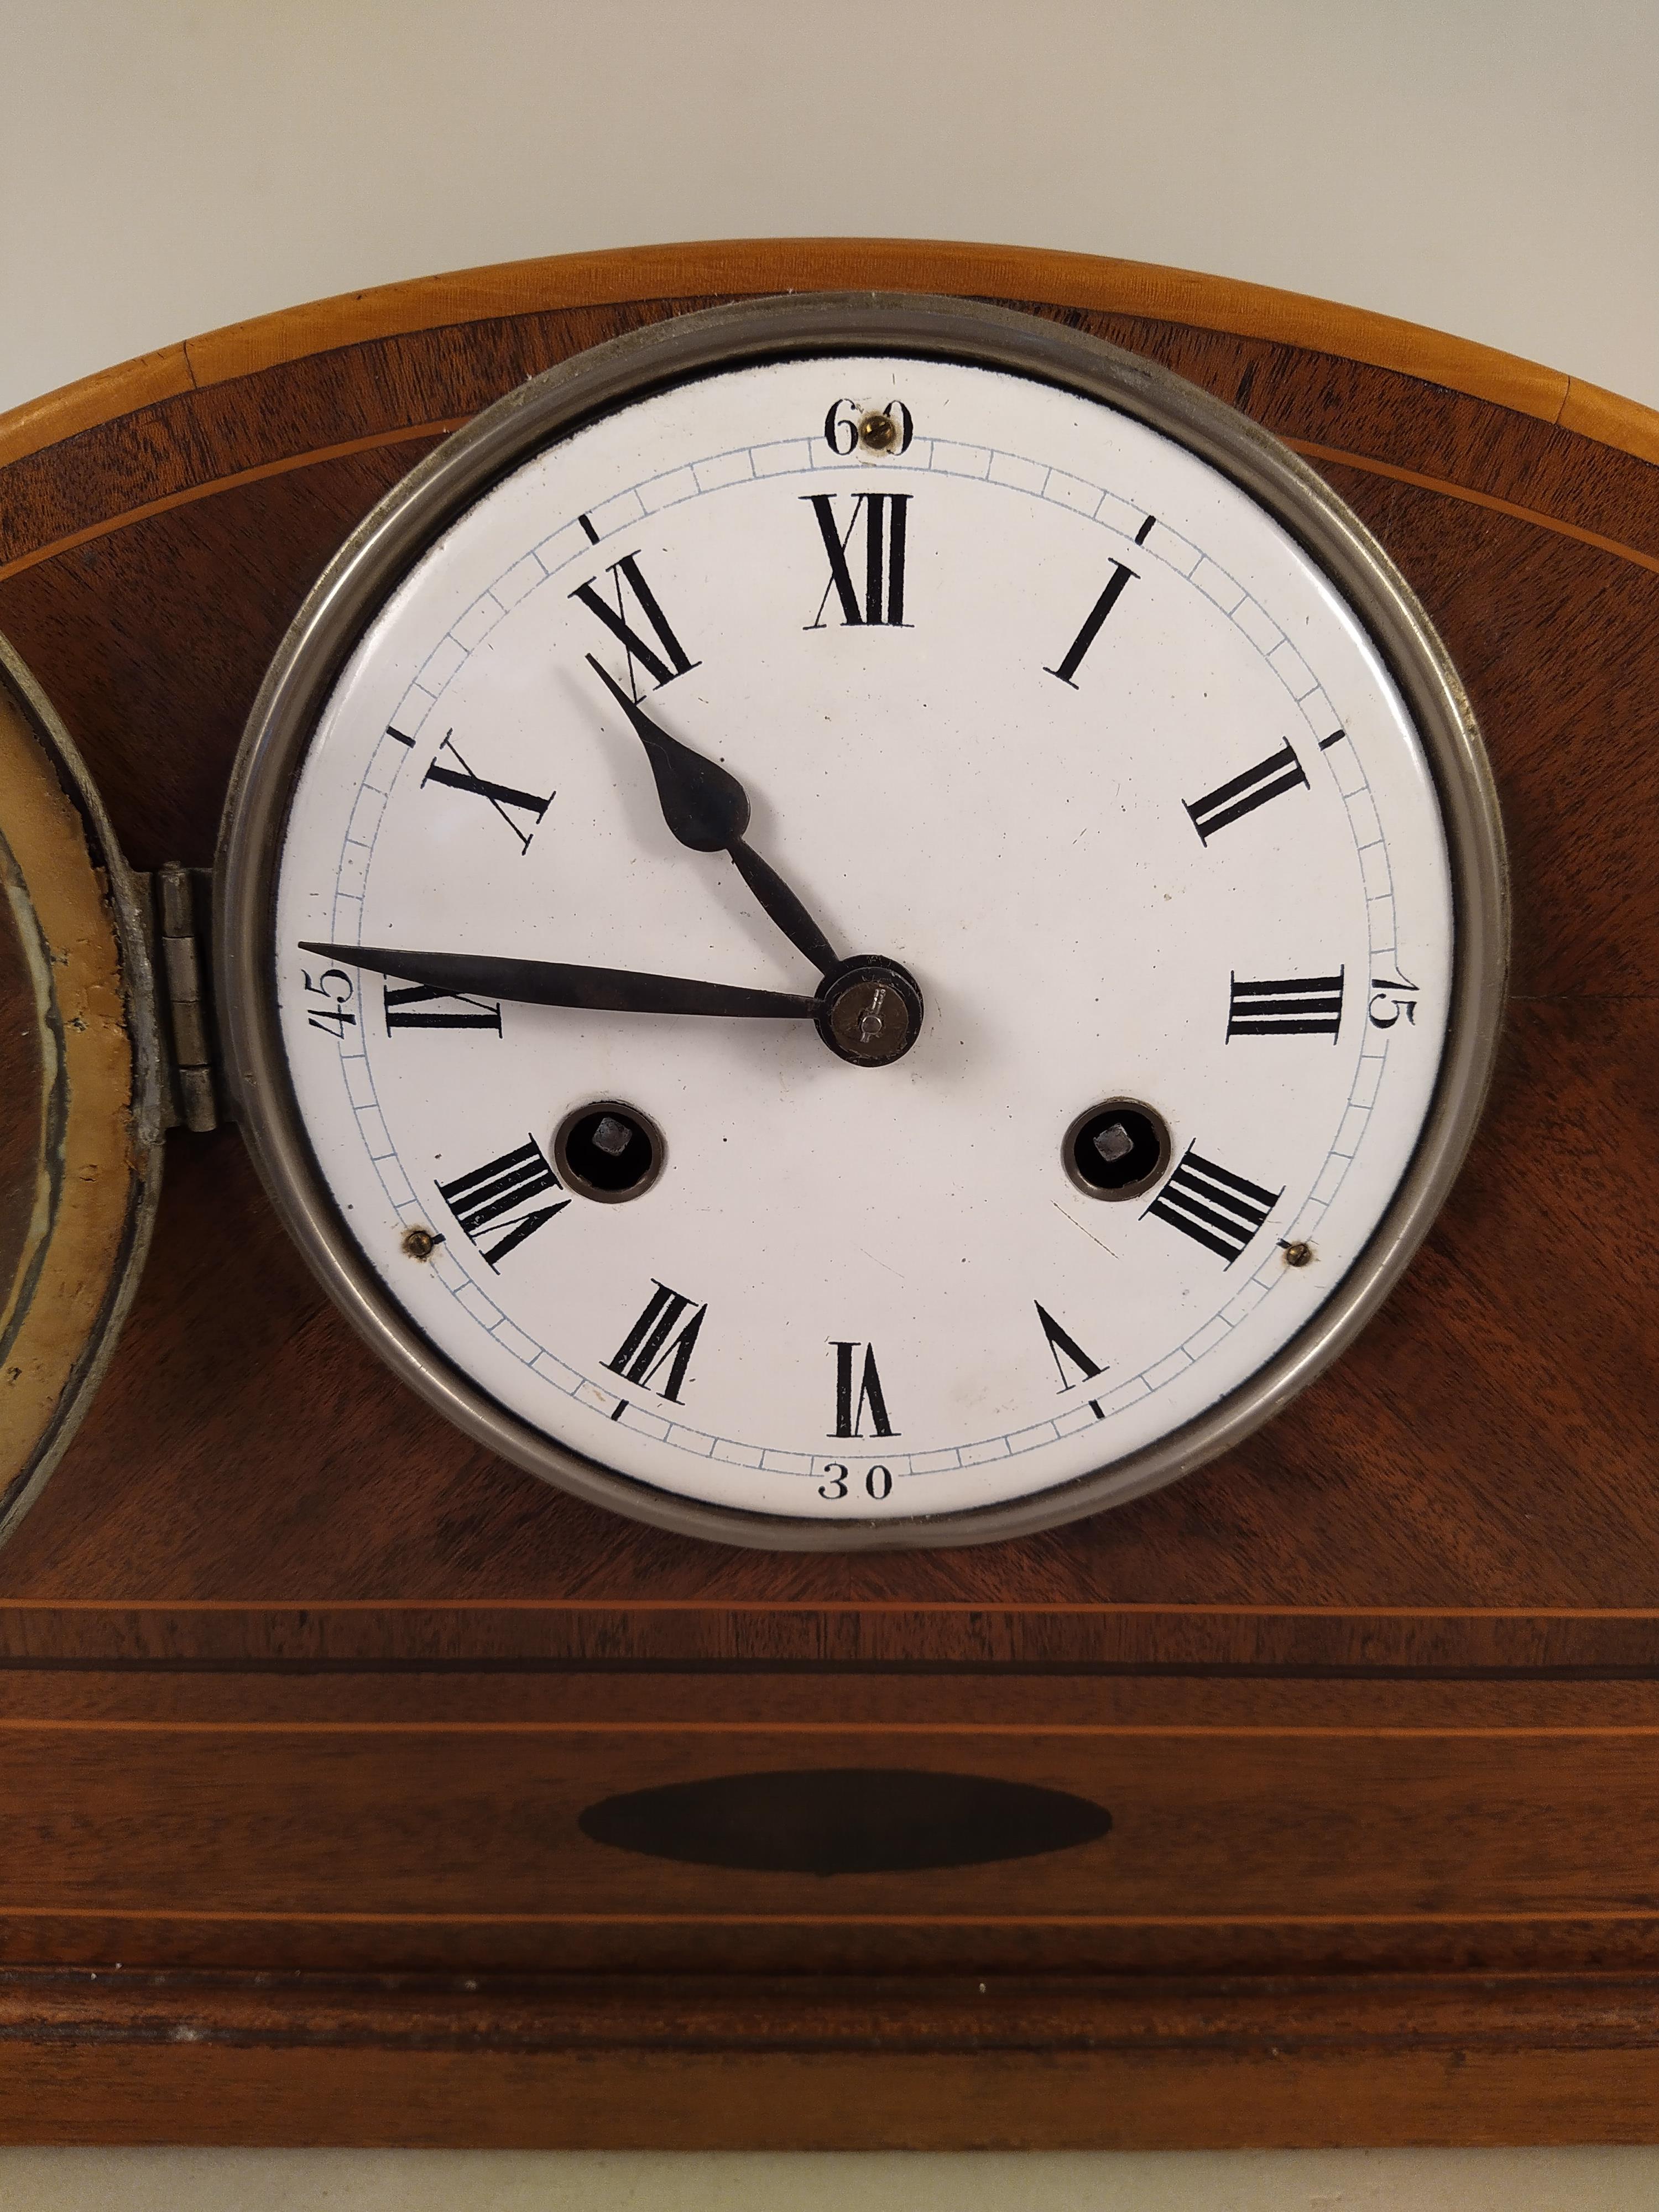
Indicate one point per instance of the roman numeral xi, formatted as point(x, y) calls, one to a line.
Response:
point(875, 597)
point(661, 655)
point(482, 1199)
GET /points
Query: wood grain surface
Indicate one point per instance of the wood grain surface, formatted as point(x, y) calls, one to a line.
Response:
point(295, 1681)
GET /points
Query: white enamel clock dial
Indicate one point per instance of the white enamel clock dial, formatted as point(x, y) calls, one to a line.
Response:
point(1024, 697)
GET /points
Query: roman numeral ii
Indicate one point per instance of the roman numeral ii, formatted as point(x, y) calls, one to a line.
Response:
point(1230, 802)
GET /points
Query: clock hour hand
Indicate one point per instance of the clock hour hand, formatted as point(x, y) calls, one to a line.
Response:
point(707, 808)
point(556, 983)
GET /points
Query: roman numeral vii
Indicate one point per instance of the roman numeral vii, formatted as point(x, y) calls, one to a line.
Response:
point(660, 1337)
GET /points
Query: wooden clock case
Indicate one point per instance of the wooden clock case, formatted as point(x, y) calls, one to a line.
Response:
point(322, 1733)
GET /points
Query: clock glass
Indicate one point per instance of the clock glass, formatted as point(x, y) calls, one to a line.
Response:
point(858, 935)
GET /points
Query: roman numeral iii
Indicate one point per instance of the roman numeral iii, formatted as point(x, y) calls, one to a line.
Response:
point(878, 600)
point(851, 1409)
point(662, 656)
point(1212, 1205)
point(1230, 802)
point(1293, 1005)
point(507, 799)
point(482, 1199)
point(660, 1337)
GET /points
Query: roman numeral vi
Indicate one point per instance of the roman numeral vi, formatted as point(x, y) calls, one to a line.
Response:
point(849, 1411)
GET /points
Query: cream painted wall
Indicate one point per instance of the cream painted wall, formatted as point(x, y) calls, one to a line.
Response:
point(1490, 166)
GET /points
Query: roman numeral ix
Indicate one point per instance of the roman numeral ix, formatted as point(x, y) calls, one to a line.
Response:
point(849, 1411)
point(882, 602)
point(1230, 802)
point(1212, 1205)
point(1292, 1005)
point(660, 1336)
point(505, 798)
point(482, 1198)
point(662, 657)
point(423, 1006)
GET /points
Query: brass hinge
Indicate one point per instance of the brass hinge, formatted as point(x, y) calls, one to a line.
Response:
point(183, 908)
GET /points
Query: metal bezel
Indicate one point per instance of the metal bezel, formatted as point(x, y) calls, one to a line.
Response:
point(551, 405)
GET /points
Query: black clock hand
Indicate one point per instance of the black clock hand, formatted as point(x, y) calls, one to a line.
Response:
point(707, 808)
point(554, 983)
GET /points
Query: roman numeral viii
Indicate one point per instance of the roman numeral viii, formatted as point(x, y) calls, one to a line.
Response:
point(660, 1337)
point(482, 1199)
point(505, 797)
point(850, 1409)
point(1212, 1205)
point(661, 656)
point(881, 600)
point(1230, 802)
point(1291, 1006)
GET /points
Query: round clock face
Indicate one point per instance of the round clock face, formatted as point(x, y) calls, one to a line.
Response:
point(858, 937)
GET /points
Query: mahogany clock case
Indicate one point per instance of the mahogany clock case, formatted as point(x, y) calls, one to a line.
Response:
point(1311, 1798)
point(417, 517)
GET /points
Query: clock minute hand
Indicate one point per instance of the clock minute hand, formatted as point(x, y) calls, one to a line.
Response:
point(556, 983)
point(707, 808)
